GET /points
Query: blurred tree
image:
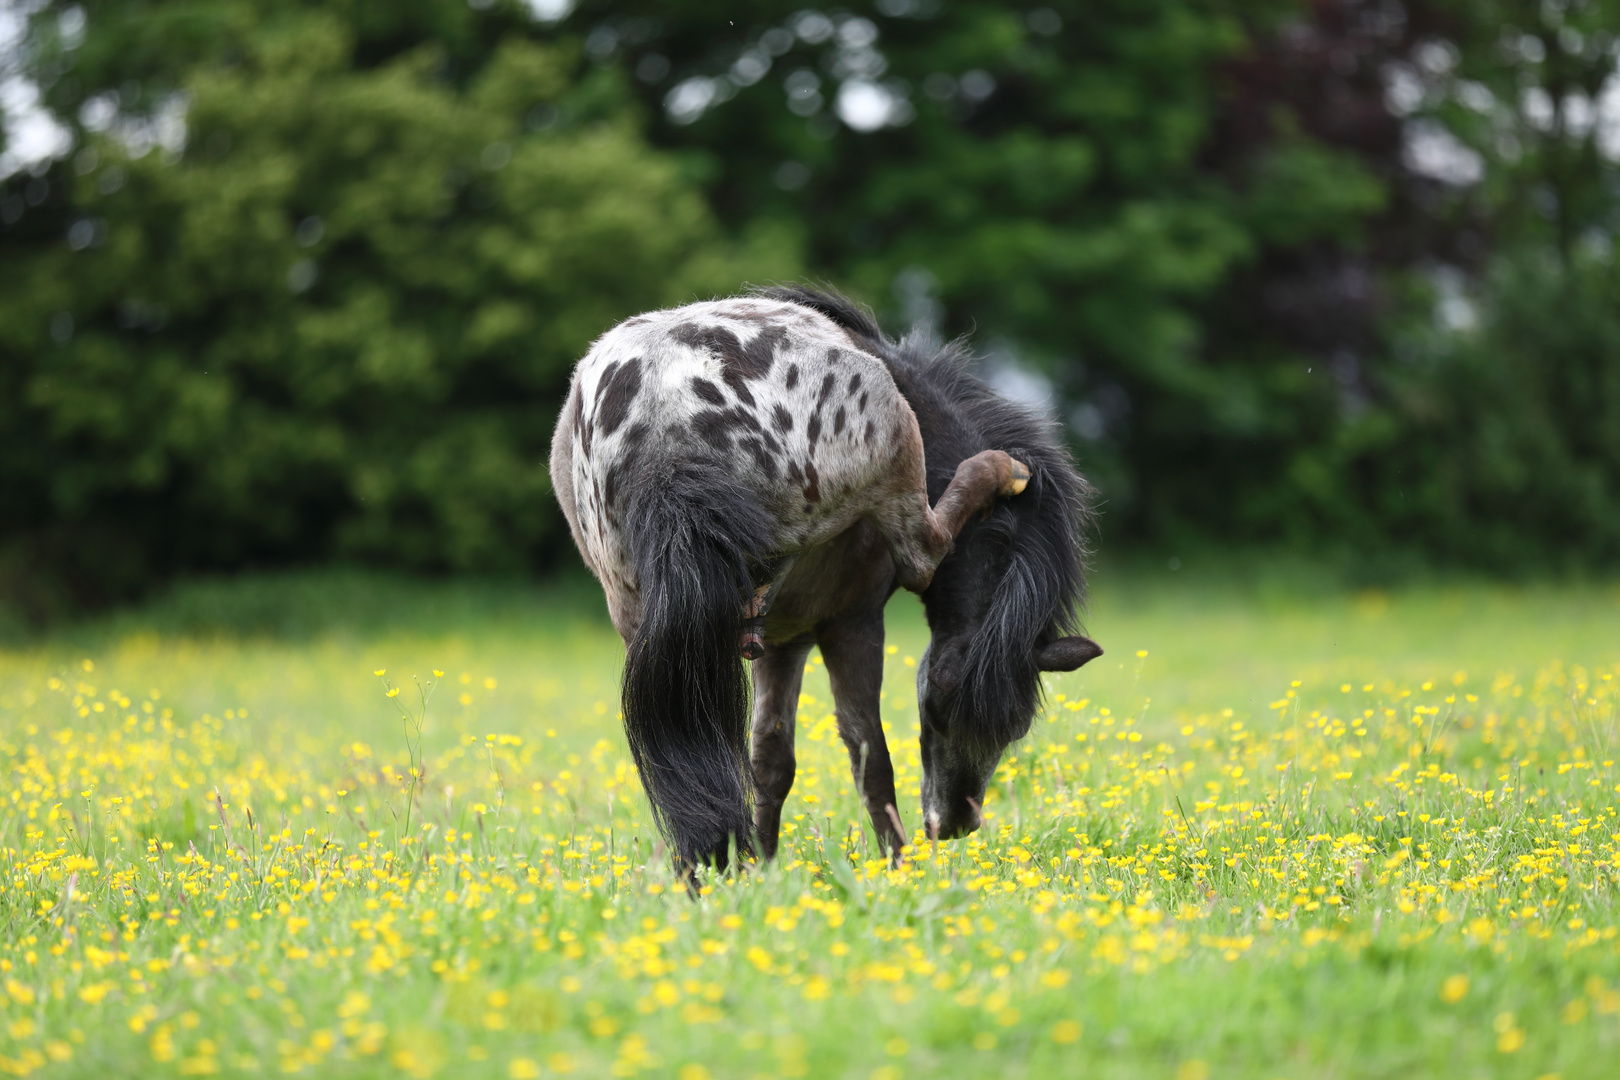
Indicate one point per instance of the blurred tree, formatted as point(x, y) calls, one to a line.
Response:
point(1499, 443)
point(312, 283)
point(1497, 440)
point(1523, 97)
point(1065, 178)
point(1302, 133)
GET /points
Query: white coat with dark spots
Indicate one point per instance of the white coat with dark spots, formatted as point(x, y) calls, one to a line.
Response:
point(778, 395)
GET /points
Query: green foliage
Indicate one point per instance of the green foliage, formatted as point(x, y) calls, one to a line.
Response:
point(1520, 87)
point(1500, 444)
point(1301, 191)
point(309, 286)
point(1490, 435)
point(1046, 183)
point(336, 323)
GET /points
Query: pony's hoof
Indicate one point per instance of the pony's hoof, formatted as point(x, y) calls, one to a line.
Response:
point(1019, 480)
point(752, 645)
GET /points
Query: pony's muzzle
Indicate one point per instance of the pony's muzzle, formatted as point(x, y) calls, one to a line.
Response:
point(957, 822)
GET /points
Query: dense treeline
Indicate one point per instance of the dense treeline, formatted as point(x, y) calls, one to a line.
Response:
point(310, 280)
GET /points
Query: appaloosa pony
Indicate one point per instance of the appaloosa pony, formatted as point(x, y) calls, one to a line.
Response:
point(751, 477)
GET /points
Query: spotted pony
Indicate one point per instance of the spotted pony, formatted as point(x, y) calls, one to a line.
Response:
point(746, 478)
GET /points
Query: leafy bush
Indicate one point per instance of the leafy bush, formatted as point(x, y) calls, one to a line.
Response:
point(336, 322)
point(1501, 443)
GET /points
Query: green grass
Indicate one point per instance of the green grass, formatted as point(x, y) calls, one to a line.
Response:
point(1200, 864)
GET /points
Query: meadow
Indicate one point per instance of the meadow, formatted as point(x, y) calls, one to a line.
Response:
point(340, 825)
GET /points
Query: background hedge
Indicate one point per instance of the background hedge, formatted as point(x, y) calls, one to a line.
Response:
point(310, 280)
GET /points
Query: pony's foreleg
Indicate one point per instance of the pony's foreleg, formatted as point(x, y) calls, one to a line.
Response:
point(778, 673)
point(919, 535)
point(852, 646)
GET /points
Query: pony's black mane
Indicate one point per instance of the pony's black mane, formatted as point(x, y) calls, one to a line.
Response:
point(1016, 580)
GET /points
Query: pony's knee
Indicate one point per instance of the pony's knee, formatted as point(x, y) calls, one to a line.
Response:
point(916, 577)
point(917, 548)
point(916, 560)
point(774, 767)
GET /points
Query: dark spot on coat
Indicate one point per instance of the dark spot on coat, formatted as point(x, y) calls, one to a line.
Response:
point(812, 431)
point(634, 445)
point(621, 391)
point(635, 436)
point(792, 376)
point(746, 419)
point(738, 362)
point(695, 336)
point(601, 384)
point(838, 420)
point(794, 474)
point(782, 419)
point(861, 403)
point(631, 446)
point(763, 460)
point(759, 355)
point(867, 440)
point(706, 390)
point(827, 385)
point(713, 426)
point(576, 421)
point(854, 382)
point(812, 486)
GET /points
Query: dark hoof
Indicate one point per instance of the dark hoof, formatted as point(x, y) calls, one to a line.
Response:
point(752, 645)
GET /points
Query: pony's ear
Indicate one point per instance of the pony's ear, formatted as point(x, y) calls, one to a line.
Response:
point(1066, 654)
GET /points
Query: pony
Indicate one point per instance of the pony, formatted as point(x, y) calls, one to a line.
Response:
point(752, 477)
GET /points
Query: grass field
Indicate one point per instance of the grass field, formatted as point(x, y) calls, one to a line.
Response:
point(1280, 830)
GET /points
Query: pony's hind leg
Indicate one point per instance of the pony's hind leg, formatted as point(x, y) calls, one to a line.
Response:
point(919, 535)
point(778, 673)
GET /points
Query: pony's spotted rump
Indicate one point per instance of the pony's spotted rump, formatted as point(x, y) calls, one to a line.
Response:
point(716, 461)
point(721, 383)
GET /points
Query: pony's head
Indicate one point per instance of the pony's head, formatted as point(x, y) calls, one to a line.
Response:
point(1000, 610)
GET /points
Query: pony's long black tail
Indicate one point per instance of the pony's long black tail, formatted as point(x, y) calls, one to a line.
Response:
point(692, 529)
